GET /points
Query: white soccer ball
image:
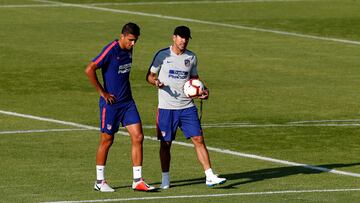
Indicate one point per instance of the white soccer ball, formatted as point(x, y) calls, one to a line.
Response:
point(193, 88)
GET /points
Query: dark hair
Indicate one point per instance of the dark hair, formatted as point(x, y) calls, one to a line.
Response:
point(183, 32)
point(131, 28)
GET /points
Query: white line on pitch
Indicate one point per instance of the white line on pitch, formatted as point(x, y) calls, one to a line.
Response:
point(325, 121)
point(203, 22)
point(41, 131)
point(270, 125)
point(48, 120)
point(284, 162)
point(55, 4)
point(187, 2)
point(224, 151)
point(213, 195)
point(31, 6)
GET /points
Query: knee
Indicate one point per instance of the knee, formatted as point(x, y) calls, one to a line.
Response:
point(165, 145)
point(137, 138)
point(198, 140)
point(106, 141)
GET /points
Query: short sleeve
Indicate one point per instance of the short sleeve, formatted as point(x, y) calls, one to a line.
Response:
point(156, 65)
point(194, 71)
point(104, 56)
point(158, 60)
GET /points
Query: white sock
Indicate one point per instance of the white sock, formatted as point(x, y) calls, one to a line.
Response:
point(100, 172)
point(209, 173)
point(165, 178)
point(137, 172)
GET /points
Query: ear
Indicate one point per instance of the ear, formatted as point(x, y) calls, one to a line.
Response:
point(122, 36)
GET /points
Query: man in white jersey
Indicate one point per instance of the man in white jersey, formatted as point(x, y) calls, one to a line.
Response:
point(169, 70)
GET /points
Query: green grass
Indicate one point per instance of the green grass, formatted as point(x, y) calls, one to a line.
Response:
point(254, 77)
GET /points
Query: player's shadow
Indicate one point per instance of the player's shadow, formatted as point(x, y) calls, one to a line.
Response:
point(271, 173)
point(236, 179)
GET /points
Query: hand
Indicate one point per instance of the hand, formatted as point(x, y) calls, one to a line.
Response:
point(159, 84)
point(205, 94)
point(109, 98)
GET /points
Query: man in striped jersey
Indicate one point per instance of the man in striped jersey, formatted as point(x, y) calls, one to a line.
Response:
point(117, 105)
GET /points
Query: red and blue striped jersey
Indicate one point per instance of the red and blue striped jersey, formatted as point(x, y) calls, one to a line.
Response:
point(115, 64)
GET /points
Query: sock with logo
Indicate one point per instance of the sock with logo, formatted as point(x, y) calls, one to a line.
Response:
point(137, 173)
point(100, 173)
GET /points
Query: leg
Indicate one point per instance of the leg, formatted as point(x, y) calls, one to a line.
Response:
point(165, 156)
point(137, 138)
point(106, 141)
point(191, 127)
point(201, 152)
point(167, 123)
point(204, 159)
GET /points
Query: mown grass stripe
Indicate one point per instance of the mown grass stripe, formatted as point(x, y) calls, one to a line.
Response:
point(213, 195)
point(345, 41)
point(224, 151)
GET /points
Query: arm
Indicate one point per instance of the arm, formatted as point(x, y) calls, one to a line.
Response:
point(152, 79)
point(91, 74)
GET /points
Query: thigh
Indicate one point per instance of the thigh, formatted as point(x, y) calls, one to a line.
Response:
point(136, 133)
point(190, 123)
point(167, 122)
point(130, 115)
point(109, 120)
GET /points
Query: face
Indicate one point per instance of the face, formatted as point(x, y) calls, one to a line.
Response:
point(180, 43)
point(128, 41)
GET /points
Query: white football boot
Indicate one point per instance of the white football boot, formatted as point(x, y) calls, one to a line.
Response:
point(103, 187)
point(214, 180)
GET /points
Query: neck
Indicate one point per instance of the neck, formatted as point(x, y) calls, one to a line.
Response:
point(176, 50)
point(121, 45)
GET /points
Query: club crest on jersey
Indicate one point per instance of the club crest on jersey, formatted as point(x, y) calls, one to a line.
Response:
point(187, 62)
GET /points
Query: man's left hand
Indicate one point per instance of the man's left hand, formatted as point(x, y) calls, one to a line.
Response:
point(205, 94)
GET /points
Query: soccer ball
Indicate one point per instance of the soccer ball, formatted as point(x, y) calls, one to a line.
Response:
point(193, 88)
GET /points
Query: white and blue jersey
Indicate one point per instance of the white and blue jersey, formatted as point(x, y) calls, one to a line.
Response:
point(175, 109)
point(174, 70)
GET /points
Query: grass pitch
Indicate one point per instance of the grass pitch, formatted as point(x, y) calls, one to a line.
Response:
point(283, 78)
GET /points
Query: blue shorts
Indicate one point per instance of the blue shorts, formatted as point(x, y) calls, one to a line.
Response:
point(112, 115)
point(168, 121)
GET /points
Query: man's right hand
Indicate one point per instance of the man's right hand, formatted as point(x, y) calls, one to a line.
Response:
point(159, 84)
point(109, 98)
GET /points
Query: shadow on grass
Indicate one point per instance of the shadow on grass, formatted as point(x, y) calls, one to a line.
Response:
point(236, 179)
point(270, 173)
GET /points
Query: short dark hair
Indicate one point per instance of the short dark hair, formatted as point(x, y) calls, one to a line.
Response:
point(183, 31)
point(131, 28)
